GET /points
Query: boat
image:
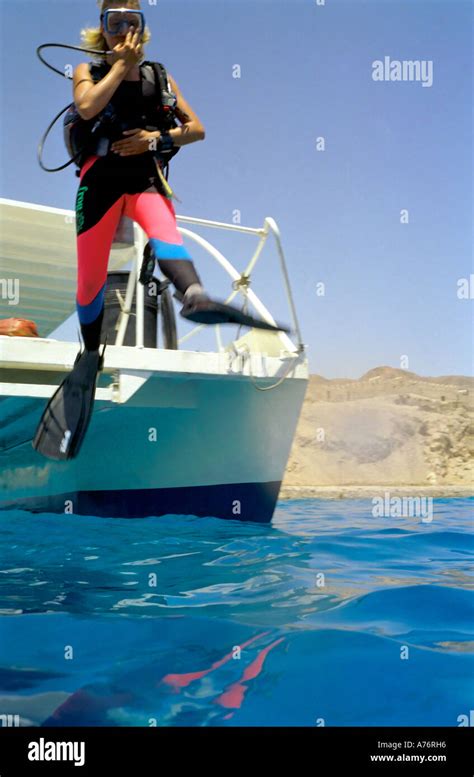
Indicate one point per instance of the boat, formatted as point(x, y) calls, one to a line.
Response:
point(175, 429)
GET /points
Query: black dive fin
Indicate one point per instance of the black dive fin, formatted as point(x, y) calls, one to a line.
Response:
point(64, 423)
point(203, 310)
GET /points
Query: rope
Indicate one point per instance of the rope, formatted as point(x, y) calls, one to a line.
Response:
point(242, 284)
point(247, 356)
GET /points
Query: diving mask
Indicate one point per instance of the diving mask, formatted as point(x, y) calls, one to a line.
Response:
point(117, 19)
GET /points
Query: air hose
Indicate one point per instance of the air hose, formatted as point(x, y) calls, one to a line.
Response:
point(64, 75)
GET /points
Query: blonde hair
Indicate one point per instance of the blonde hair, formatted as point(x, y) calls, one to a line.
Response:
point(92, 37)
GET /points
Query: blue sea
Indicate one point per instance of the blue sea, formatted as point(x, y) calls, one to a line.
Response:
point(328, 616)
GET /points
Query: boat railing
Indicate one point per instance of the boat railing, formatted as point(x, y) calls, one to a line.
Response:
point(240, 280)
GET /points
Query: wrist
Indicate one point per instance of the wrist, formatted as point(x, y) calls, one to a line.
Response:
point(165, 141)
point(120, 67)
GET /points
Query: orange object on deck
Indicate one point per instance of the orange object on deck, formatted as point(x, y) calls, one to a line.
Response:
point(18, 327)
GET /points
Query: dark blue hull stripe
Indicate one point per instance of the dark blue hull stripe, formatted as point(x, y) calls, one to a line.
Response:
point(237, 501)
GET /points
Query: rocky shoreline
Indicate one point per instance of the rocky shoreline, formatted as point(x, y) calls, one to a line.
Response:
point(390, 426)
point(368, 492)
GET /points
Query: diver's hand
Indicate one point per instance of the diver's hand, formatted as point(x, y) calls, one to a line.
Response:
point(138, 141)
point(129, 52)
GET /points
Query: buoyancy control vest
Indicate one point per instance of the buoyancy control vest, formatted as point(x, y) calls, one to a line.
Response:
point(151, 107)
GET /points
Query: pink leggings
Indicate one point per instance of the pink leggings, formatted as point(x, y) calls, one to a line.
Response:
point(102, 199)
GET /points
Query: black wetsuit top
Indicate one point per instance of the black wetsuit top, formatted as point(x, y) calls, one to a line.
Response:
point(139, 170)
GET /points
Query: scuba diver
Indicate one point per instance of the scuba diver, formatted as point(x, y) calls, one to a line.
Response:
point(120, 173)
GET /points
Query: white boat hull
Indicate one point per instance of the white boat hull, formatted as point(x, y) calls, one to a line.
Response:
point(197, 438)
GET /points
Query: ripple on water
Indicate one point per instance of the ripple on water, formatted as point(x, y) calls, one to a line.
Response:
point(321, 603)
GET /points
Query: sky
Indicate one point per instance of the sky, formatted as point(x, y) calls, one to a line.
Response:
point(369, 181)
